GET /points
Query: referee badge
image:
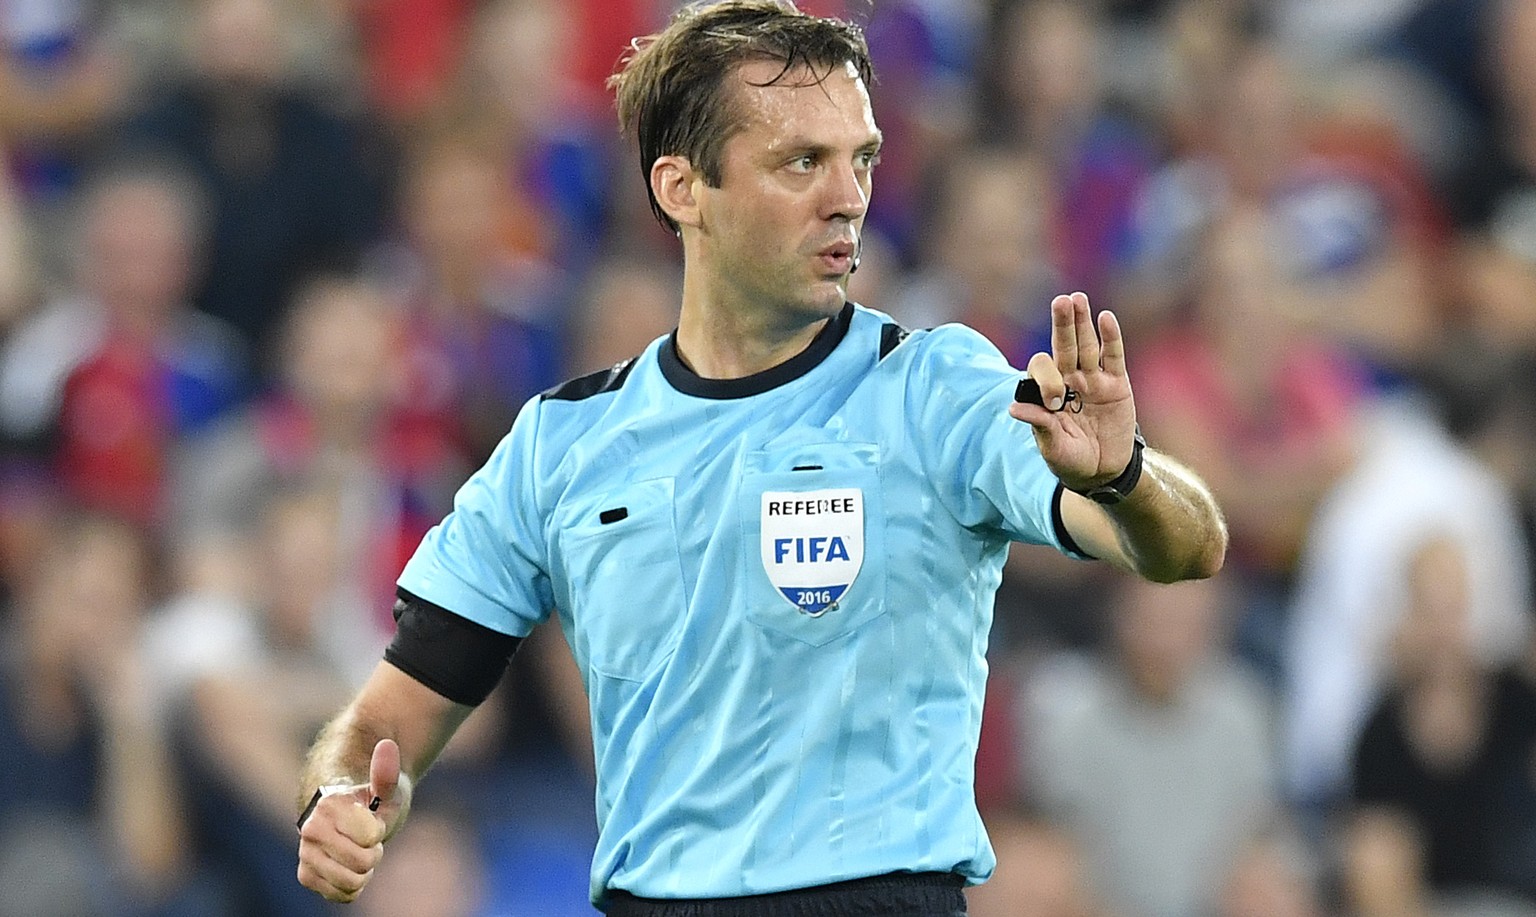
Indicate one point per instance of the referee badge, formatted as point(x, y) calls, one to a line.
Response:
point(813, 545)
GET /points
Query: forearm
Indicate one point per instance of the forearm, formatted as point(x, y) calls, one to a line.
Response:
point(340, 756)
point(391, 706)
point(1169, 528)
point(141, 804)
point(341, 752)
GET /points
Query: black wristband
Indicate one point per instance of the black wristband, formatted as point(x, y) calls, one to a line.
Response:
point(1114, 491)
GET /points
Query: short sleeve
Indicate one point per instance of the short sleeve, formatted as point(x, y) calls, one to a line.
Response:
point(486, 559)
point(984, 464)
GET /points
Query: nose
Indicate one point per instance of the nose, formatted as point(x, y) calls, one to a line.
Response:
point(846, 193)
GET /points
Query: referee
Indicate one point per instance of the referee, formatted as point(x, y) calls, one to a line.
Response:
point(773, 538)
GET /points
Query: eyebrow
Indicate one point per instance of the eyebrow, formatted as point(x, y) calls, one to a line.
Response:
point(806, 145)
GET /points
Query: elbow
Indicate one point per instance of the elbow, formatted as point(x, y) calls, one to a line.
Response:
point(1209, 563)
point(1210, 557)
point(1202, 560)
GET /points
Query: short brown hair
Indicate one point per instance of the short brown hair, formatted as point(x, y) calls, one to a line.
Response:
point(671, 86)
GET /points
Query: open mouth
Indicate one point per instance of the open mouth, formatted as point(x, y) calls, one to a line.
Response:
point(837, 257)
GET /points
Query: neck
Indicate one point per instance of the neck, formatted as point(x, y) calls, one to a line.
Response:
point(719, 341)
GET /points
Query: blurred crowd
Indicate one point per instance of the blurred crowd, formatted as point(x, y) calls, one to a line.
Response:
point(275, 275)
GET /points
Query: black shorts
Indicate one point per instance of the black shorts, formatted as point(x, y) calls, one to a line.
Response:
point(900, 894)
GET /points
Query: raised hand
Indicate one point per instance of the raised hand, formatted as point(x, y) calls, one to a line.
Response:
point(1087, 425)
point(343, 839)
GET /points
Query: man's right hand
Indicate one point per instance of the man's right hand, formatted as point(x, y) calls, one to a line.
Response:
point(343, 839)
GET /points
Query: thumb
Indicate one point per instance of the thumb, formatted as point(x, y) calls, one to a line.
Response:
point(384, 770)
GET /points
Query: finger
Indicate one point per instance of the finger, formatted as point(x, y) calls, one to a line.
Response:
point(358, 824)
point(384, 770)
point(318, 873)
point(332, 880)
point(331, 844)
point(312, 880)
point(341, 863)
point(1063, 335)
point(1087, 340)
point(1053, 389)
point(1032, 414)
point(1113, 359)
point(1040, 420)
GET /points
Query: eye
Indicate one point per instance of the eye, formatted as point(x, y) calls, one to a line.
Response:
point(805, 162)
point(869, 159)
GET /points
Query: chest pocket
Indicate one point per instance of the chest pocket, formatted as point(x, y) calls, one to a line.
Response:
point(625, 579)
point(813, 549)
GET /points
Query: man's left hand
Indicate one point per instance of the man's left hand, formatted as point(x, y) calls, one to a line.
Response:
point(1087, 427)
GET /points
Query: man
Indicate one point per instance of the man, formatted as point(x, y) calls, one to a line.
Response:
point(773, 538)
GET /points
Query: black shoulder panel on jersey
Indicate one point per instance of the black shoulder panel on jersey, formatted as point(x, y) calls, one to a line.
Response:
point(891, 334)
point(604, 380)
point(452, 655)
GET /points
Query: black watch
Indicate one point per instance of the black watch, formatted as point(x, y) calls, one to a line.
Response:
point(1112, 492)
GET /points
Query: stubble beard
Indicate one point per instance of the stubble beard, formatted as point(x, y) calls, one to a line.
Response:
point(813, 298)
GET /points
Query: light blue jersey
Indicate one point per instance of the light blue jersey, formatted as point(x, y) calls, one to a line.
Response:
point(778, 590)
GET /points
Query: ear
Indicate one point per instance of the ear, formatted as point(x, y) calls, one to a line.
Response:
point(672, 182)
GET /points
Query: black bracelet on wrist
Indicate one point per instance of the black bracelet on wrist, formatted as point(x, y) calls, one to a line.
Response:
point(1112, 492)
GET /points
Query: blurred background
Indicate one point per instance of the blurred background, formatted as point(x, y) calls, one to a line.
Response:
point(275, 275)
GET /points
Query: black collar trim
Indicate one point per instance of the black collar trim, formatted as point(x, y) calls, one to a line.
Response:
point(689, 382)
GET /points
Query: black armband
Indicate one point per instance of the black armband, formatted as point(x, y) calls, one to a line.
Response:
point(459, 659)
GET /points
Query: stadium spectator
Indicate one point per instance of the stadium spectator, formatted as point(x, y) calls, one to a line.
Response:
point(1408, 480)
point(1495, 322)
point(92, 807)
point(485, 321)
point(410, 51)
point(518, 82)
point(111, 376)
point(62, 80)
point(295, 184)
point(924, 52)
point(258, 673)
point(1002, 196)
point(1157, 757)
point(1445, 758)
point(1264, 406)
point(1356, 228)
point(266, 677)
point(1040, 90)
point(335, 417)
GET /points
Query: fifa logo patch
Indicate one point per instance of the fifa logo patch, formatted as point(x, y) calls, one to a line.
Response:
point(813, 545)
